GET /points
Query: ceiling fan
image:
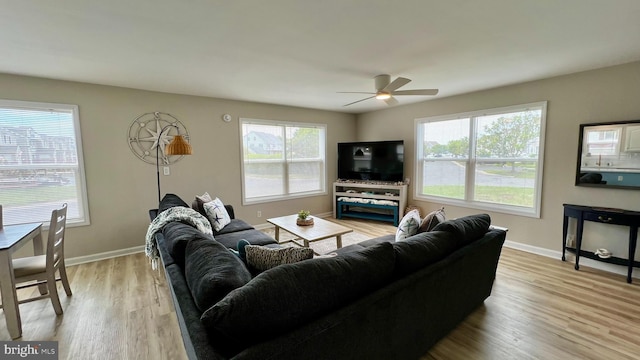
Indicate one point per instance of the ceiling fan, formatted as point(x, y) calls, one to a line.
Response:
point(386, 90)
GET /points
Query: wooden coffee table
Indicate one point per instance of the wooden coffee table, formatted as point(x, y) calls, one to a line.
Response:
point(320, 230)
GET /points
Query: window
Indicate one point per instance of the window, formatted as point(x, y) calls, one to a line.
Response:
point(489, 159)
point(41, 164)
point(282, 160)
point(604, 140)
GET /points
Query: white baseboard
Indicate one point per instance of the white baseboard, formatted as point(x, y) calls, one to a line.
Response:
point(616, 269)
point(103, 256)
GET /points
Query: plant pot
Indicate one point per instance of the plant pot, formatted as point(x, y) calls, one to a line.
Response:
point(304, 222)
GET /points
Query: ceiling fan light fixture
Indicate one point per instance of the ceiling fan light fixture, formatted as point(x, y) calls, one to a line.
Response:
point(383, 96)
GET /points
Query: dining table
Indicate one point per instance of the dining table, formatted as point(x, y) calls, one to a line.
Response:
point(12, 238)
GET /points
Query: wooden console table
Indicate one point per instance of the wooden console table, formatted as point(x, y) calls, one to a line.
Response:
point(605, 216)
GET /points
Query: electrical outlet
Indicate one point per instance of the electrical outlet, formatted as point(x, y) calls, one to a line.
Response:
point(620, 178)
point(259, 213)
point(166, 171)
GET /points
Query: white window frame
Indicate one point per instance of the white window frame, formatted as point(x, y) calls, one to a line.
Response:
point(468, 201)
point(285, 161)
point(81, 183)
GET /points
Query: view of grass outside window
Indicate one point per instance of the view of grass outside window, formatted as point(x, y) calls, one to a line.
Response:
point(282, 160)
point(490, 159)
point(40, 162)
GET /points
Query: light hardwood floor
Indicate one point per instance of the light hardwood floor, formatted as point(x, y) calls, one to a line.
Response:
point(540, 308)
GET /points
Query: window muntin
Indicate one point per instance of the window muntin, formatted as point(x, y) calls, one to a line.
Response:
point(282, 160)
point(490, 159)
point(41, 163)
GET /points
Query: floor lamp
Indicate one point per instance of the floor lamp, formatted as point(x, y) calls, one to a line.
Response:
point(177, 146)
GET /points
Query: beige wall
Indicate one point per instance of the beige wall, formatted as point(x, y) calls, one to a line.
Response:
point(121, 188)
point(609, 94)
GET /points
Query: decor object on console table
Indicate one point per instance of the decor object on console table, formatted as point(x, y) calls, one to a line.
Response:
point(605, 216)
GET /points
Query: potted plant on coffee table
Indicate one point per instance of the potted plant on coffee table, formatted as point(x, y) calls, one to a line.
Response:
point(304, 218)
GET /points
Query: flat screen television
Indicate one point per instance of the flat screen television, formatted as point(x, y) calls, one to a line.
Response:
point(371, 160)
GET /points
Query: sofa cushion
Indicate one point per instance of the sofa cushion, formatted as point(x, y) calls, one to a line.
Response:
point(422, 249)
point(254, 237)
point(432, 219)
point(466, 229)
point(233, 226)
point(288, 296)
point(212, 271)
point(169, 201)
point(217, 214)
point(263, 258)
point(176, 237)
point(408, 225)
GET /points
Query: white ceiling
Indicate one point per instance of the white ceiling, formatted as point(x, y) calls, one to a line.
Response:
point(301, 52)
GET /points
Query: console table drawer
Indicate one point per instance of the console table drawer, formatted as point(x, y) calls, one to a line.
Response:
point(610, 218)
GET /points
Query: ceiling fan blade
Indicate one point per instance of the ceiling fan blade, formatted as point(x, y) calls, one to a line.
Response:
point(396, 84)
point(355, 102)
point(417, 92)
point(391, 101)
point(354, 92)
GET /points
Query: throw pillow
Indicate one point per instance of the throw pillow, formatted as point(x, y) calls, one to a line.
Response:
point(199, 201)
point(212, 272)
point(262, 258)
point(217, 214)
point(431, 220)
point(408, 225)
point(466, 229)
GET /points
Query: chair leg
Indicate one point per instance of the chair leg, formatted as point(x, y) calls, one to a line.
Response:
point(65, 280)
point(53, 293)
point(43, 289)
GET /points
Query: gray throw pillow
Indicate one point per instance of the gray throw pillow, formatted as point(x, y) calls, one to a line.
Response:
point(212, 271)
point(466, 229)
point(432, 219)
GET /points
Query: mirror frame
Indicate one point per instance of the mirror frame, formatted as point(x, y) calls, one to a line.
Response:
point(579, 160)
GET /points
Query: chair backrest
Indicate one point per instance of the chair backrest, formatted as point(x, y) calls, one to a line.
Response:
point(55, 240)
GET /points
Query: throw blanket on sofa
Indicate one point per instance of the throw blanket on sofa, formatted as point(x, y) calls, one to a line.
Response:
point(177, 213)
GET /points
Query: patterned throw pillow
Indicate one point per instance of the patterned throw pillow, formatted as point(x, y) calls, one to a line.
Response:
point(431, 220)
point(408, 225)
point(263, 258)
point(217, 214)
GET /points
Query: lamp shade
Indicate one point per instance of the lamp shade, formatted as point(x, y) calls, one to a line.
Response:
point(178, 146)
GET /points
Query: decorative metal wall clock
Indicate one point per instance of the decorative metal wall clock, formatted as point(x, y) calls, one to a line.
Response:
point(144, 136)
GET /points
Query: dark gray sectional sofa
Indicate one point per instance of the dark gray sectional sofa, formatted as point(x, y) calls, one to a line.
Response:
point(378, 299)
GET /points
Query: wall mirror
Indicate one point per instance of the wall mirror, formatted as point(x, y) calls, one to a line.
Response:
point(609, 155)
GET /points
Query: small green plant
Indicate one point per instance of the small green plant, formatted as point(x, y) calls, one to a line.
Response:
point(303, 214)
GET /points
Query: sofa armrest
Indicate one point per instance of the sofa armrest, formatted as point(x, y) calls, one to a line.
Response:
point(154, 212)
point(232, 214)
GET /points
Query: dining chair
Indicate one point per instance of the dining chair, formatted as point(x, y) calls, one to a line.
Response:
point(42, 268)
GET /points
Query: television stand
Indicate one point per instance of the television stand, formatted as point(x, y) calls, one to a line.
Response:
point(373, 200)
